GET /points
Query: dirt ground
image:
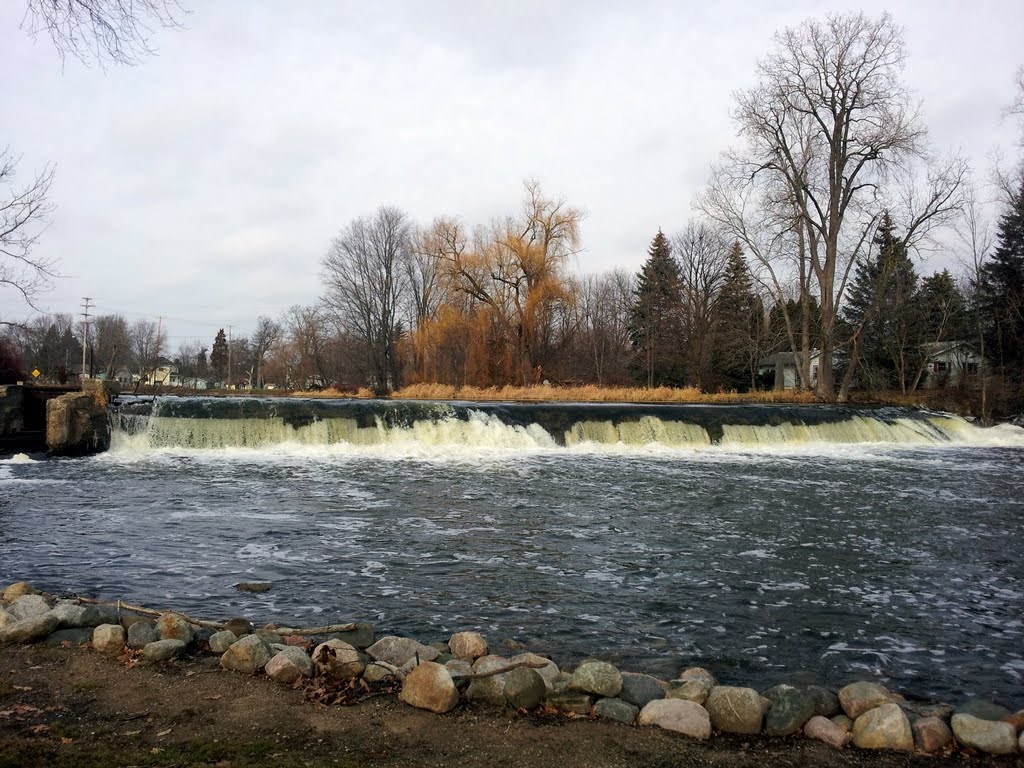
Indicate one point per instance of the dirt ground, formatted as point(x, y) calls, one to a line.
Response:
point(75, 707)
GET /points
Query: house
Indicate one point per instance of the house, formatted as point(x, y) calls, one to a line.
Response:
point(164, 375)
point(949, 364)
point(783, 368)
point(125, 377)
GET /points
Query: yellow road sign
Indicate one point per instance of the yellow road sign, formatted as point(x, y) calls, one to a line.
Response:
point(36, 372)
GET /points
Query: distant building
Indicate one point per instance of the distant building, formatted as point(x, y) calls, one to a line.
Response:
point(951, 363)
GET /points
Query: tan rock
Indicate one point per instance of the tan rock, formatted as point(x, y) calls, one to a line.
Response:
point(735, 710)
point(991, 736)
point(549, 672)
point(289, 665)
point(679, 715)
point(858, 698)
point(467, 646)
point(171, 626)
point(430, 687)
point(824, 730)
point(337, 660)
point(18, 589)
point(699, 674)
point(108, 638)
point(931, 734)
point(884, 727)
point(692, 690)
point(248, 654)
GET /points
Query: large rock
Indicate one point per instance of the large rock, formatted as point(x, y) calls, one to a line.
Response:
point(489, 690)
point(246, 655)
point(171, 626)
point(69, 614)
point(680, 715)
point(28, 605)
point(289, 665)
point(337, 660)
point(73, 637)
point(598, 677)
point(142, 633)
point(6, 618)
point(826, 703)
point(399, 650)
point(29, 630)
point(883, 727)
point(617, 710)
point(359, 637)
point(858, 698)
point(108, 638)
point(468, 646)
point(822, 729)
point(699, 674)
point(430, 687)
point(931, 734)
point(996, 738)
point(99, 614)
point(221, 641)
point(984, 710)
point(735, 710)
point(379, 670)
point(162, 650)
point(524, 688)
point(691, 690)
point(16, 590)
point(549, 671)
point(639, 690)
point(791, 708)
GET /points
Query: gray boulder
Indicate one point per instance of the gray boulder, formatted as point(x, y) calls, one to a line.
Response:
point(639, 690)
point(824, 730)
point(690, 690)
point(616, 709)
point(69, 614)
point(379, 670)
point(27, 606)
point(791, 709)
point(549, 671)
point(883, 727)
point(735, 710)
point(361, 637)
point(99, 614)
point(826, 703)
point(162, 650)
point(995, 738)
point(468, 646)
point(6, 618)
point(73, 637)
point(29, 630)
point(399, 650)
point(249, 654)
point(488, 690)
point(142, 633)
point(221, 641)
point(931, 734)
point(597, 677)
point(289, 665)
point(571, 703)
point(700, 675)
point(524, 688)
point(983, 710)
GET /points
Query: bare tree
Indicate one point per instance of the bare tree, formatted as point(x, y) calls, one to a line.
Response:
point(118, 31)
point(366, 277)
point(147, 346)
point(603, 303)
point(23, 214)
point(266, 335)
point(828, 126)
point(703, 256)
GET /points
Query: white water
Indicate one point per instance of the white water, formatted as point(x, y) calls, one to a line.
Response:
point(486, 433)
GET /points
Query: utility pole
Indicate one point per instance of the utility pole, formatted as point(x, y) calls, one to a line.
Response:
point(156, 347)
point(86, 304)
point(228, 382)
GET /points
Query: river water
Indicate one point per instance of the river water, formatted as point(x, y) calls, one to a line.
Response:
point(795, 562)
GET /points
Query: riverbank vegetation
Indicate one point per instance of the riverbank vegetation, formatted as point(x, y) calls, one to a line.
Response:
point(801, 270)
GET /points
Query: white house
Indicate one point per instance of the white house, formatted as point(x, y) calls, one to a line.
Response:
point(949, 364)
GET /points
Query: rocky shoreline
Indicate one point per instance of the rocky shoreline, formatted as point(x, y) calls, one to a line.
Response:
point(437, 677)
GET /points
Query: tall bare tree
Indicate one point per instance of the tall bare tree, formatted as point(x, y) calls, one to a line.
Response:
point(829, 127)
point(703, 257)
point(365, 278)
point(24, 210)
point(267, 334)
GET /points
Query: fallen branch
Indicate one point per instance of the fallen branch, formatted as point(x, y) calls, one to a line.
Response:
point(217, 624)
point(503, 670)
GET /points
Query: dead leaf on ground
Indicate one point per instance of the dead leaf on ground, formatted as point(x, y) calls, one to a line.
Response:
point(164, 733)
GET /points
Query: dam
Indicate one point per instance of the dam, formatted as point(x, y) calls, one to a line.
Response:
point(769, 543)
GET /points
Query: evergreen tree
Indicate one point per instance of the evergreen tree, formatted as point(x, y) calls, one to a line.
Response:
point(1001, 289)
point(655, 326)
point(219, 354)
point(883, 316)
point(738, 326)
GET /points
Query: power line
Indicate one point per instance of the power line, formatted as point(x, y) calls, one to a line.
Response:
point(86, 300)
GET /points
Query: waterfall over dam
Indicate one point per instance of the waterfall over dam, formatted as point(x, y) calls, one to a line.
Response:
point(251, 422)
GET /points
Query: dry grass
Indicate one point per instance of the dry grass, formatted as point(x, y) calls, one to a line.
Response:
point(595, 394)
point(330, 393)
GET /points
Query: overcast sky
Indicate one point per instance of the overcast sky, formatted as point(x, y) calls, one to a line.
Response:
point(206, 183)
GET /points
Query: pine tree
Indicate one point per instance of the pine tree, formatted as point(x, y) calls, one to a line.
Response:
point(219, 354)
point(739, 325)
point(655, 329)
point(1001, 289)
